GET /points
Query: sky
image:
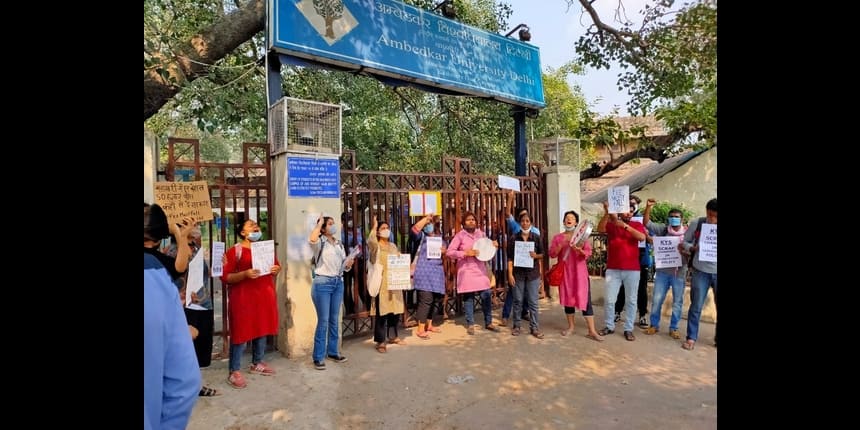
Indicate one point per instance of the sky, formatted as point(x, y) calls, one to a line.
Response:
point(555, 30)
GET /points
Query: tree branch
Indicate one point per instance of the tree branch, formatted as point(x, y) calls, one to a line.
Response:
point(190, 60)
point(625, 38)
point(655, 151)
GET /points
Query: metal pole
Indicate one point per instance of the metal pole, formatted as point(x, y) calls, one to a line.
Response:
point(520, 154)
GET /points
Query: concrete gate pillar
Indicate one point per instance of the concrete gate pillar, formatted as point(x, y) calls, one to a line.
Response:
point(562, 195)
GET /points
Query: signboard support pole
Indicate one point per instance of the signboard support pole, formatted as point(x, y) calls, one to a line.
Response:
point(520, 155)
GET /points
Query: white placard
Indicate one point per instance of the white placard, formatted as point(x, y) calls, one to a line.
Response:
point(708, 243)
point(263, 256)
point(639, 220)
point(399, 277)
point(424, 203)
point(217, 258)
point(619, 199)
point(522, 258)
point(194, 277)
point(666, 252)
point(434, 247)
point(509, 183)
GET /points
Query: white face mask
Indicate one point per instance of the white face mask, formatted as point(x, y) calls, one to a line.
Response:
point(332, 229)
point(349, 223)
point(384, 232)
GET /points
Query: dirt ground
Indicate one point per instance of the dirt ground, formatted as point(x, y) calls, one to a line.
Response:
point(517, 382)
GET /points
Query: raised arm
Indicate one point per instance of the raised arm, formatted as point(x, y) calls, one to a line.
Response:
point(601, 225)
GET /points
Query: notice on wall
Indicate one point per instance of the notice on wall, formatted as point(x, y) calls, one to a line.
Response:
point(184, 199)
point(313, 177)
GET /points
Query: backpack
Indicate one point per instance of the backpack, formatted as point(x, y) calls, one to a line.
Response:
point(696, 239)
point(316, 258)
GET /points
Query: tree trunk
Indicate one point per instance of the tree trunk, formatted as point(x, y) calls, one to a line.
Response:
point(329, 31)
point(207, 47)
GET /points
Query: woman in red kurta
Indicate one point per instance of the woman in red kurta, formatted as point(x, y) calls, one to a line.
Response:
point(575, 289)
point(251, 305)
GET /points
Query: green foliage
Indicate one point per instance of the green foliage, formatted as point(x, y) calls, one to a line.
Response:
point(660, 212)
point(669, 64)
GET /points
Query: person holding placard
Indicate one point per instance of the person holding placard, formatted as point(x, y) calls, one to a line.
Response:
point(524, 274)
point(429, 276)
point(252, 310)
point(704, 273)
point(644, 269)
point(472, 274)
point(622, 265)
point(575, 288)
point(200, 314)
point(331, 261)
point(514, 228)
point(667, 277)
point(388, 305)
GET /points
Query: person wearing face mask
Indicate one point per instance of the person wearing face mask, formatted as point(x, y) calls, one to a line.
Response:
point(200, 314)
point(703, 276)
point(387, 306)
point(472, 274)
point(252, 310)
point(667, 277)
point(429, 277)
point(575, 288)
point(622, 265)
point(327, 289)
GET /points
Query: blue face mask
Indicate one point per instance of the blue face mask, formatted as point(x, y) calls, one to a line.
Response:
point(428, 228)
point(674, 221)
point(255, 236)
point(332, 229)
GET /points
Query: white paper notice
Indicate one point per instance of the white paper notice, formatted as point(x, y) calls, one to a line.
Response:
point(639, 219)
point(194, 277)
point(424, 203)
point(619, 199)
point(522, 258)
point(263, 256)
point(217, 257)
point(509, 183)
point(399, 277)
point(666, 252)
point(708, 243)
point(434, 247)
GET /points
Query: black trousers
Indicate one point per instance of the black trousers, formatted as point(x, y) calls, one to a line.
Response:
point(382, 324)
point(588, 311)
point(429, 305)
point(204, 322)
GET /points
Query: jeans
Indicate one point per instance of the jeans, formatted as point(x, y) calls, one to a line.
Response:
point(698, 292)
point(529, 289)
point(258, 348)
point(509, 304)
point(327, 295)
point(662, 283)
point(614, 278)
point(486, 306)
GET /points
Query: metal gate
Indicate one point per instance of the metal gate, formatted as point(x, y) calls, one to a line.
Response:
point(238, 191)
point(385, 194)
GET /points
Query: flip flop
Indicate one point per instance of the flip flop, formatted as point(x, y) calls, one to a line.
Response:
point(593, 337)
point(209, 392)
point(423, 335)
point(380, 348)
point(566, 332)
point(688, 346)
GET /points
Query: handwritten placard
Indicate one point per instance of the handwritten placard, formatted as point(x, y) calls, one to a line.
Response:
point(708, 243)
point(666, 252)
point(217, 257)
point(263, 256)
point(184, 199)
point(509, 183)
point(424, 203)
point(639, 219)
point(398, 272)
point(522, 256)
point(434, 247)
point(619, 199)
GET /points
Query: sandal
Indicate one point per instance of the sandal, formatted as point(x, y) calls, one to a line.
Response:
point(209, 392)
point(629, 336)
point(397, 341)
point(565, 332)
point(380, 348)
point(689, 346)
point(604, 331)
point(537, 334)
point(515, 331)
point(423, 335)
point(594, 337)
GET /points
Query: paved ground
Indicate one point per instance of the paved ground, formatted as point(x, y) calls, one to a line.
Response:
point(519, 383)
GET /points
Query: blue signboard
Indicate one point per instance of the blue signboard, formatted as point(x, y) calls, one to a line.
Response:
point(310, 177)
point(393, 39)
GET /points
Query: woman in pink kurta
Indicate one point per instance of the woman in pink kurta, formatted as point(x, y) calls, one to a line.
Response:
point(472, 274)
point(575, 289)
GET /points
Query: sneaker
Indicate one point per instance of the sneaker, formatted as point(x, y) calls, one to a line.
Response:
point(471, 330)
point(319, 365)
point(617, 316)
point(643, 322)
point(337, 358)
point(675, 334)
point(261, 368)
point(236, 380)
